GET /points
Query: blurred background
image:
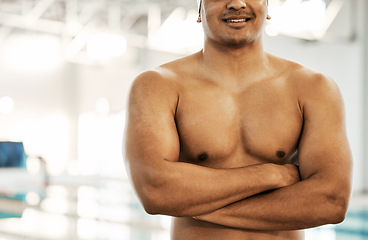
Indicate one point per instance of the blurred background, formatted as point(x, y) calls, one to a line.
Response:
point(66, 67)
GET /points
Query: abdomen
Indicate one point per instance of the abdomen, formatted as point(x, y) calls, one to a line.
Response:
point(185, 228)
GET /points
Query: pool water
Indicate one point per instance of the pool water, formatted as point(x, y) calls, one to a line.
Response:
point(111, 211)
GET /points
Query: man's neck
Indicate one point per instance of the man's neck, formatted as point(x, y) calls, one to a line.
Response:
point(235, 62)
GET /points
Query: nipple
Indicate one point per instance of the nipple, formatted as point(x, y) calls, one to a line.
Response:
point(280, 154)
point(202, 156)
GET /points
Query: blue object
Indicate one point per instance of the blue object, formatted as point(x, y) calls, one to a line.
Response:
point(12, 155)
point(18, 197)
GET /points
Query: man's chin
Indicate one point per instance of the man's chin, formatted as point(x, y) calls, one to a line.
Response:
point(238, 42)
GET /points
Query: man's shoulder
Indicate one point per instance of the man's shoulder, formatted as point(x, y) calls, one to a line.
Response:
point(294, 70)
point(167, 78)
point(305, 78)
point(154, 83)
point(312, 82)
point(170, 72)
point(311, 85)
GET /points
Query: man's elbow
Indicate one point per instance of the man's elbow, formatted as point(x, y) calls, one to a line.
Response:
point(157, 199)
point(157, 203)
point(339, 206)
point(341, 210)
point(151, 197)
point(151, 208)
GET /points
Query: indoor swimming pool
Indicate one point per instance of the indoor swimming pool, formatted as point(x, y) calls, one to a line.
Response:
point(110, 210)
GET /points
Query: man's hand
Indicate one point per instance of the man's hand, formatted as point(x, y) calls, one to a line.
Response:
point(291, 174)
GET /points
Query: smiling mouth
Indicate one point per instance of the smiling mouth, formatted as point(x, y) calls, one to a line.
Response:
point(237, 20)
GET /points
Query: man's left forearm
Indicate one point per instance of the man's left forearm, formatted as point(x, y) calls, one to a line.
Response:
point(309, 203)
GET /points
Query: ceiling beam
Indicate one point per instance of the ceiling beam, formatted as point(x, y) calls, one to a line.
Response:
point(40, 25)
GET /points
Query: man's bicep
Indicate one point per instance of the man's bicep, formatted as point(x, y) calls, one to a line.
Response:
point(324, 149)
point(151, 134)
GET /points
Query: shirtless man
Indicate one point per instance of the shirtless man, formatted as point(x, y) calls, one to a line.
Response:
point(210, 137)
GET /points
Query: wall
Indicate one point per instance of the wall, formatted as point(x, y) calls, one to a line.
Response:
point(44, 98)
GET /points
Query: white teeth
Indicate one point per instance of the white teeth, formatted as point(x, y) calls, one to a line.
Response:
point(236, 20)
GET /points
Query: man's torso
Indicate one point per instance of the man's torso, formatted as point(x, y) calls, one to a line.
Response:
point(229, 127)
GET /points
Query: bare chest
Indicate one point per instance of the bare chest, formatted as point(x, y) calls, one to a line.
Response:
point(219, 128)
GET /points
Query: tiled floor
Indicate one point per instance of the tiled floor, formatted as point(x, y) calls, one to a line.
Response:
point(111, 211)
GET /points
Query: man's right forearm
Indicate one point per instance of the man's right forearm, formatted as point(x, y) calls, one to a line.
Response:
point(182, 189)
